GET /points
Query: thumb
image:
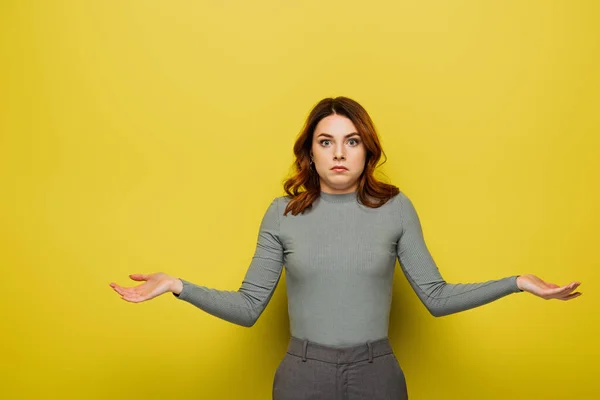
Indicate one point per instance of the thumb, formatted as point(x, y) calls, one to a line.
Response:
point(139, 277)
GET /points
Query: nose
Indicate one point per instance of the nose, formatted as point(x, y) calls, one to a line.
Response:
point(339, 153)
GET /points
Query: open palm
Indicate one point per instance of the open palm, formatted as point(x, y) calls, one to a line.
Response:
point(534, 285)
point(154, 285)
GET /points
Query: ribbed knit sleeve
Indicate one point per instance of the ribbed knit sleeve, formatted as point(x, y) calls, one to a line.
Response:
point(439, 297)
point(244, 306)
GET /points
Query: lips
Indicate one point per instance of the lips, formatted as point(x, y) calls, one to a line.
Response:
point(339, 168)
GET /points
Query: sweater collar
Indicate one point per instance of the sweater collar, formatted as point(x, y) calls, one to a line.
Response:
point(338, 198)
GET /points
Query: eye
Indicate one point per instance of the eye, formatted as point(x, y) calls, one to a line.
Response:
point(355, 141)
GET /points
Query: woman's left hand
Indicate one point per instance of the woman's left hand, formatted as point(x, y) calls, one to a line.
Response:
point(534, 285)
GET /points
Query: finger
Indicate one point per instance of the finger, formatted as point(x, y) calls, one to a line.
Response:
point(571, 296)
point(133, 298)
point(566, 295)
point(117, 289)
point(129, 299)
point(122, 291)
point(560, 291)
point(139, 277)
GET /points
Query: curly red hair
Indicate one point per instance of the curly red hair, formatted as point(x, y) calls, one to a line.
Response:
point(371, 192)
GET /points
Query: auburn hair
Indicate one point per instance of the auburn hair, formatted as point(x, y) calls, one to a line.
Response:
point(304, 186)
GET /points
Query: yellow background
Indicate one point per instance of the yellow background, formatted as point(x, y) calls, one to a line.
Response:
point(145, 136)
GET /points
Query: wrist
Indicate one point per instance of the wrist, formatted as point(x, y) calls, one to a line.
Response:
point(176, 286)
point(518, 283)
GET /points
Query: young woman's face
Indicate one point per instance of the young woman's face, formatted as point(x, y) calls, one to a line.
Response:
point(336, 142)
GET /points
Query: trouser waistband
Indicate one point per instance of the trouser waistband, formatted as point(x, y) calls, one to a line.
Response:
point(339, 355)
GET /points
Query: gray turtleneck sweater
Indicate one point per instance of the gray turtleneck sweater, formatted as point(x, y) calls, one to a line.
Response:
point(339, 258)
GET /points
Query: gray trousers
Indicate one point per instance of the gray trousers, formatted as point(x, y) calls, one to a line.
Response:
point(311, 371)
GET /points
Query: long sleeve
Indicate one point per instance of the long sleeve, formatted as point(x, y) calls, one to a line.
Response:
point(244, 306)
point(439, 297)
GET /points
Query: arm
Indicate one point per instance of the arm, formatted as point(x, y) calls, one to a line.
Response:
point(439, 297)
point(244, 306)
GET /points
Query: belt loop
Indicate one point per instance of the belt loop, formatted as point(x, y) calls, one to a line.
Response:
point(304, 345)
point(370, 351)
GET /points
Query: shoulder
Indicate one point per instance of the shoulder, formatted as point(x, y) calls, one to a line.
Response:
point(278, 204)
point(283, 199)
point(397, 200)
point(401, 198)
point(401, 205)
point(282, 202)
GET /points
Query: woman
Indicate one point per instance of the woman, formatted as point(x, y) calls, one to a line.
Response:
point(338, 232)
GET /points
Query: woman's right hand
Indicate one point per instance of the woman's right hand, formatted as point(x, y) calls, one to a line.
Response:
point(154, 285)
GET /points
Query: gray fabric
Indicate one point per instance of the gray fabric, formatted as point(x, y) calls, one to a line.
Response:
point(340, 260)
point(311, 371)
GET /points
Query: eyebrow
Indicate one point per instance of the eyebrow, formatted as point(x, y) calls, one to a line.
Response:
point(347, 136)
